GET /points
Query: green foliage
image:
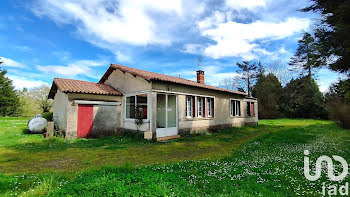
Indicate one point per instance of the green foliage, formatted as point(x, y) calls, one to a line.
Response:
point(35, 101)
point(268, 90)
point(9, 100)
point(333, 32)
point(302, 99)
point(307, 55)
point(338, 102)
point(48, 116)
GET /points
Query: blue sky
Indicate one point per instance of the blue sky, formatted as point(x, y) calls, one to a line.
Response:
point(79, 39)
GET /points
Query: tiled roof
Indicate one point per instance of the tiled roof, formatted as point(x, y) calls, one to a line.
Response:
point(77, 86)
point(149, 76)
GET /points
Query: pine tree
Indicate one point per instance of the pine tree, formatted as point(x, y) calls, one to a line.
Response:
point(9, 100)
point(307, 56)
point(332, 32)
point(248, 72)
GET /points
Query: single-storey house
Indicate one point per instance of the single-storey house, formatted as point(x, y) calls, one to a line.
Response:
point(167, 106)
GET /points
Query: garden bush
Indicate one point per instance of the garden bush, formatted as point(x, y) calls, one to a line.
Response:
point(48, 116)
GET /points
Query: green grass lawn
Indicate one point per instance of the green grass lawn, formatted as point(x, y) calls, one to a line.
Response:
point(263, 160)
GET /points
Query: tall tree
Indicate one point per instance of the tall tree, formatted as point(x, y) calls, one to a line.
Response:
point(303, 99)
point(338, 102)
point(268, 90)
point(307, 56)
point(248, 72)
point(9, 100)
point(333, 32)
point(37, 98)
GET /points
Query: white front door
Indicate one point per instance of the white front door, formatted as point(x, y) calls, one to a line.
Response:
point(166, 115)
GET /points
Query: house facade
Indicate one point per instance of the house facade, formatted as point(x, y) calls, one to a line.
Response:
point(168, 106)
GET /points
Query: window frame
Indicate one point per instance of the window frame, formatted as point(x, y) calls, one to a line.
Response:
point(135, 95)
point(209, 107)
point(194, 108)
point(189, 99)
point(234, 113)
point(200, 106)
point(249, 105)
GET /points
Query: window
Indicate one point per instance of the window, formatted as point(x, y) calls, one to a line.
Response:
point(133, 103)
point(250, 108)
point(189, 110)
point(210, 110)
point(203, 107)
point(200, 107)
point(235, 108)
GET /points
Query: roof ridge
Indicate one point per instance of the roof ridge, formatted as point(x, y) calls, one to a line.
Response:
point(75, 80)
point(79, 86)
point(155, 73)
point(137, 71)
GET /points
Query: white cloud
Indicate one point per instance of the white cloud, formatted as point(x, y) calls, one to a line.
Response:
point(239, 39)
point(249, 4)
point(12, 63)
point(122, 57)
point(192, 25)
point(81, 67)
point(208, 22)
point(111, 22)
point(62, 55)
point(21, 82)
point(193, 48)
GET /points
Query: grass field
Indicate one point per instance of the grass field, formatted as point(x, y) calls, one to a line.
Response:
point(263, 160)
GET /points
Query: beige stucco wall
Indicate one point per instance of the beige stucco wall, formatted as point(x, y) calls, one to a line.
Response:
point(60, 109)
point(72, 114)
point(127, 83)
point(221, 107)
point(129, 124)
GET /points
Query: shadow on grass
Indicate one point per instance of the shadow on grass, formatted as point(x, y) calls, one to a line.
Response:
point(61, 144)
point(228, 135)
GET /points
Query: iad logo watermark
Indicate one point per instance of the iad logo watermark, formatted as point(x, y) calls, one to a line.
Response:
point(332, 189)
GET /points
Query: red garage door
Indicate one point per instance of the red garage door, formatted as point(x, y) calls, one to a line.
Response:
point(85, 120)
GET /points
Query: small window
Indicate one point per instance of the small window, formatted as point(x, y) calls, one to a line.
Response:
point(189, 109)
point(138, 102)
point(210, 106)
point(238, 108)
point(250, 109)
point(235, 109)
point(200, 107)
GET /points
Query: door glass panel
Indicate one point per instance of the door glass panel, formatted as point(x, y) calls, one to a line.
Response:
point(171, 111)
point(130, 107)
point(161, 110)
point(141, 102)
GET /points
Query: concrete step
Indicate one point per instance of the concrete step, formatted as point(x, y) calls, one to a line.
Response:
point(160, 139)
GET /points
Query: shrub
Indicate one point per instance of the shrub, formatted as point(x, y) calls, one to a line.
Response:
point(343, 116)
point(48, 116)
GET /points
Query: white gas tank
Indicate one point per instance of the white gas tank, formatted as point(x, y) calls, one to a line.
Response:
point(37, 124)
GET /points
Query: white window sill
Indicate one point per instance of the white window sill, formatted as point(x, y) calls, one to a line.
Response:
point(198, 118)
point(133, 120)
